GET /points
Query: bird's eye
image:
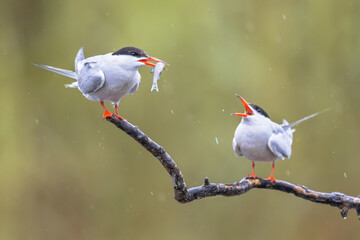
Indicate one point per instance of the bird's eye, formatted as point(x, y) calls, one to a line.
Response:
point(134, 54)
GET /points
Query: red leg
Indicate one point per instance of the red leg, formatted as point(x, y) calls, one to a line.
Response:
point(106, 113)
point(117, 112)
point(253, 171)
point(271, 178)
point(117, 109)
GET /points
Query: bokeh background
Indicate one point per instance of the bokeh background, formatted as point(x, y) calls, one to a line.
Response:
point(65, 173)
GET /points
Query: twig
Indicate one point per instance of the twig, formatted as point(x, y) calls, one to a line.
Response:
point(184, 195)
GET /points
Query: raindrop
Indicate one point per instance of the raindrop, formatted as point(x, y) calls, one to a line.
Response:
point(216, 140)
point(284, 17)
point(345, 175)
point(37, 121)
point(172, 112)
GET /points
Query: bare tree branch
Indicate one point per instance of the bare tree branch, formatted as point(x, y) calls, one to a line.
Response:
point(184, 195)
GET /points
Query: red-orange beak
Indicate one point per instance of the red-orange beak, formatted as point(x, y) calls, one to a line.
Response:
point(146, 61)
point(248, 111)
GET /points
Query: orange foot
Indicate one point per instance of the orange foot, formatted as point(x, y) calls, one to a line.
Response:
point(121, 118)
point(107, 114)
point(271, 178)
point(251, 176)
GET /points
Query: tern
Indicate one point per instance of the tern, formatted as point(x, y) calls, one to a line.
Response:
point(259, 139)
point(107, 77)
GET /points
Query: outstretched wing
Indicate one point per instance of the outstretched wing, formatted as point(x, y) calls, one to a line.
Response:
point(280, 145)
point(90, 78)
point(236, 148)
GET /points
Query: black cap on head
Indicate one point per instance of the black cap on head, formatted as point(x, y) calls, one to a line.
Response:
point(132, 51)
point(259, 110)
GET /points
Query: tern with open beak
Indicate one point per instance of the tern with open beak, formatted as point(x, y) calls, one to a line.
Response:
point(259, 139)
point(107, 77)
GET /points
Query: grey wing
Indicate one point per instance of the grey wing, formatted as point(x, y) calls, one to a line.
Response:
point(280, 145)
point(236, 148)
point(287, 128)
point(79, 57)
point(90, 78)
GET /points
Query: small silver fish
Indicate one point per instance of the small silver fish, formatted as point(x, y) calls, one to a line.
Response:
point(157, 71)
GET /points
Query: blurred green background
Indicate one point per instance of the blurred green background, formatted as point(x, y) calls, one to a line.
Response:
point(68, 174)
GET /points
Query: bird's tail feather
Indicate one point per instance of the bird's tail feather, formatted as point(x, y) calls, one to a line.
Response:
point(64, 72)
point(303, 119)
point(79, 57)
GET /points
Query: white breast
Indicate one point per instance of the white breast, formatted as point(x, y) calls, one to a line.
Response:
point(252, 140)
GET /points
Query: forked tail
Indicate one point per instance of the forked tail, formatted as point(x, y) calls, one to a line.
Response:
point(304, 119)
point(64, 72)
